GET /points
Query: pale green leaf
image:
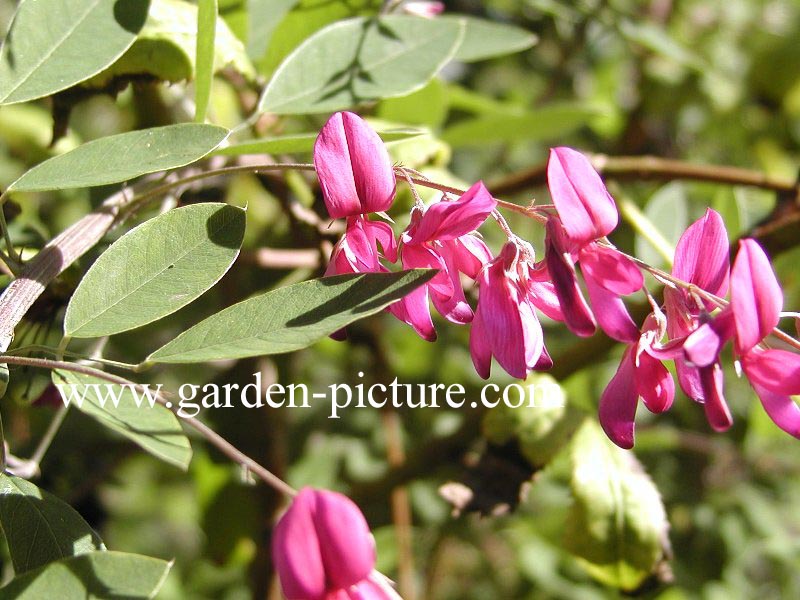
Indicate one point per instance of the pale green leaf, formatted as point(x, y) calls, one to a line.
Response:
point(155, 269)
point(263, 16)
point(667, 217)
point(289, 318)
point(95, 576)
point(617, 525)
point(204, 70)
point(546, 123)
point(299, 143)
point(123, 157)
point(153, 428)
point(358, 60)
point(487, 39)
point(51, 46)
point(166, 47)
point(655, 38)
point(40, 528)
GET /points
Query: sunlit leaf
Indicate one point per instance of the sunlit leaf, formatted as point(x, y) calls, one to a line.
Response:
point(155, 269)
point(123, 157)
point(51, 46)
point(358, 60)
point(487, 39)
point(204, 68)
point(289, 318)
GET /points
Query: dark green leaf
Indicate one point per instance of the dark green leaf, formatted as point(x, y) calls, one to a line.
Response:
point(123, 157)
point(154, 428)
point(40, 528)
point(95, 576)
point(155, 269)
point(358, 60)
point(51, 46)
point(617, 525)
point(289, 318)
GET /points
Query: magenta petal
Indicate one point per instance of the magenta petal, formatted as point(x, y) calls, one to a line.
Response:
point(353, 166)
point(654, 383)
point(702, 346)
point(479, 347)
point(543, 296)
point(447, 220)
point(577, 315)
point(296, 551)
point(382, 233)
point(756, 297)
point(470, 253)
point(612, 316)
point(618, 404)
point(702, 255)
point(345, 541)
point(776, 370)
point(783, 411)
point(689, 380)
point(717, 412)
point(583, 203)
point(610, 269)
point(414, 310)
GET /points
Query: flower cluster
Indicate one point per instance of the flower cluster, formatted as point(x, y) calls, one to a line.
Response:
point(357, 179)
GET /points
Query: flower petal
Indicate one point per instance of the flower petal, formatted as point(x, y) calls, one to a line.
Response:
point(296, 553)
point(654, 383)
point(783, 411)
point(702, 346)
point(775, 370)
point(583, 203)
point(756, 296)
point(702, 255)
point(577, 314)
point(414, 310)
point(618, 403)
point(479, 347)
point(353, 166)
point(611, 313)
point(447, 220)
point(717, 412)
point(610, 269)
point(346, 544)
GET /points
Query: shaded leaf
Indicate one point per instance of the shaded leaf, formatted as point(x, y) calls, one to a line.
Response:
point(95, 576)
point(486, 39)
point(545, 123)
point(51, 46)
point(154, 428)
point(617, 525)
point(358, 60)
point(40, 528)
point(123, 157)
point(289, 318)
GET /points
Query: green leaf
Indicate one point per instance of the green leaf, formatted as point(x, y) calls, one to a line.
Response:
point(51, 46)
point(299, 143)
point(154, 428)
point(206, 32)
point(40, 528)
point(95, 576)
point(487, 39)
point(547, 123)
point(4, 378)
point(166, 47)
point(123, 157)
point(666, 217)
point(427, 106)
point(263, 17)
point(617, 525)
point(655, 38)
point(155, 269)
point(289, 318)
point(358, 60)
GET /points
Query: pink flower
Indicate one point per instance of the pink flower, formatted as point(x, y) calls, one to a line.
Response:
point(353, 167)
point(357, 250)
point(587, 213)
point(505, 324)
point(701, 258)
point(756, 302)
point(640, 375)
point(322, 549)
point(441, 238)
point(423, 8)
